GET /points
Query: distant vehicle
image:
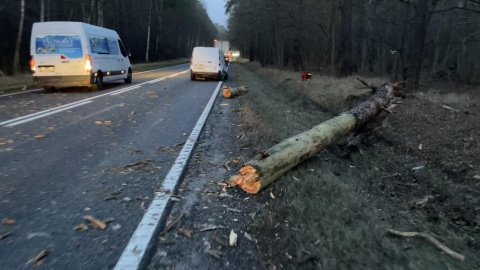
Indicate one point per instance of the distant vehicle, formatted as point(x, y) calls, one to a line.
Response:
point(235, 56)
point(77, 54)
point(208, 62)
point(224, 46)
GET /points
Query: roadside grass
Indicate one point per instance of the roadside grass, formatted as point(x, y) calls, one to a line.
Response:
point(331, 212)
point(24, 81)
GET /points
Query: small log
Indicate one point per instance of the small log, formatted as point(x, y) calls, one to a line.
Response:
point(262, 170)
point(234, 92)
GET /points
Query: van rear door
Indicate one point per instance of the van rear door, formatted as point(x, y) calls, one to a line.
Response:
point(58, 55)
point(205, 60)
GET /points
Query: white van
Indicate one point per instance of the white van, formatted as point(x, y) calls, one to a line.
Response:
point(208, 62)
point(77, 54)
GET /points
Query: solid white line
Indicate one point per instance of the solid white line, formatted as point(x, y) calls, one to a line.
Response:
point(47, 114)
point(133, 255)
point(83, 100)
point(23, 92)
point(124, 90)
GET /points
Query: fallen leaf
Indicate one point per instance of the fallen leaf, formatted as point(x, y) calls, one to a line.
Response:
point(2, 143)
point(98, 122)
point(289, 256)
point(233, 238)
point(476, 176)
point(9, 149)
point(185, 231)
point(295, 178)
point(215, 253)
point(107, 122)
point(225, 195)
point(81, 227)
point(271, 195)
point(420, 147)
point(38, 258)
point(248, 236)
point(39, 136)
point(210, 228)
point(95, 222)
point(234, 210)
point(223, 104)
point(175, 199)
point(8, 221)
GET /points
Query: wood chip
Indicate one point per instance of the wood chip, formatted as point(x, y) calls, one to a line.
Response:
point(9, 221)
point(185, 231)
point(35, 260)
point(215, 253)
point(5, 235)
point(233, 239)
point(96, 223)
point(81, 227)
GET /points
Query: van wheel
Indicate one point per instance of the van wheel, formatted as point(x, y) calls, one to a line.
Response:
point(98, 84)
point(220, 76)
point(129, 77)
point(48, 89)
point(192, 76)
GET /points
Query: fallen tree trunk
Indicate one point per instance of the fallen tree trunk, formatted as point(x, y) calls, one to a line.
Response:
point(234, 92)
point(266, 167)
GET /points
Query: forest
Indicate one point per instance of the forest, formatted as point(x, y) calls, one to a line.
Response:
point(408, 40)
point(152, 30)
point(435, 39)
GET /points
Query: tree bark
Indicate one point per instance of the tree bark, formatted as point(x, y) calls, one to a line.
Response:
point(234, 92)
point(266, 167)
point(16, 57)
point(417, 44)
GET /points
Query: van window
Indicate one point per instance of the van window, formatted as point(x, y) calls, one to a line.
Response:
point(113, 47)
point(68, 45)
point(99, 45)
point(122, 49)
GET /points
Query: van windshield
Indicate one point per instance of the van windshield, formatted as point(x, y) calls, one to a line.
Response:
point(67, 45)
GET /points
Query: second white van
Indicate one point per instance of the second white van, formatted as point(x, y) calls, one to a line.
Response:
point(77, 54)
point(208, 62)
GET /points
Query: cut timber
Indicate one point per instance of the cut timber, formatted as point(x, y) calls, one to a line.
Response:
point(265, 168)
point(234, 92)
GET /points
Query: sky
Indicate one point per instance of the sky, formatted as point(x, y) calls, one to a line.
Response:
point(216, 11)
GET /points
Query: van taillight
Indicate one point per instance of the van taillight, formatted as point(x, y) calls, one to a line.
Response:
point(88, 63)
point(32, 64)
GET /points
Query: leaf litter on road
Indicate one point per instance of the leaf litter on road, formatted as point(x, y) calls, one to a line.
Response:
point(7, 221)
point(96, 223)
point(37, 260)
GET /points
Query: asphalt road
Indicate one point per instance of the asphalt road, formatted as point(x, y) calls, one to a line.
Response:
point(73, 153)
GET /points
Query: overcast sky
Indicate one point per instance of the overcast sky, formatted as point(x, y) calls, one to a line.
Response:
point(216, 11)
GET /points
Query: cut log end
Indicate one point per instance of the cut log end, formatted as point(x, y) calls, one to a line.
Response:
point(247, 179)
point(227, 93)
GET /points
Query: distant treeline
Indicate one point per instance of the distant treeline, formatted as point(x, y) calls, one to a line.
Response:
point(438, 39)
point(152, 29)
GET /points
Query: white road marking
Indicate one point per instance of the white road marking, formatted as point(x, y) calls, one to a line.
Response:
point(22, 92)
point(56, 109)
point(47, 114)
point(133, 255)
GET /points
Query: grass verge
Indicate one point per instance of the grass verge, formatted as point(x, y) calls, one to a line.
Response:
point(332, 212)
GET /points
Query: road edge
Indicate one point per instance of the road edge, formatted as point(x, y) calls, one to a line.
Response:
point(142, 241)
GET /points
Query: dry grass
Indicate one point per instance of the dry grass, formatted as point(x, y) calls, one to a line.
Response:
point(331, 212)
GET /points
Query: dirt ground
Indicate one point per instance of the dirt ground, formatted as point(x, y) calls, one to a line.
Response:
point(419, 173)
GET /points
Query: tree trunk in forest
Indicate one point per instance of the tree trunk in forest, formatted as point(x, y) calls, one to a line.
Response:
point(147, 50)
point(266, 167)
point(100, 13)
point(42, 10)
point(16, 56)
point(346, 45)
point(417, 44)
point(333, 35)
